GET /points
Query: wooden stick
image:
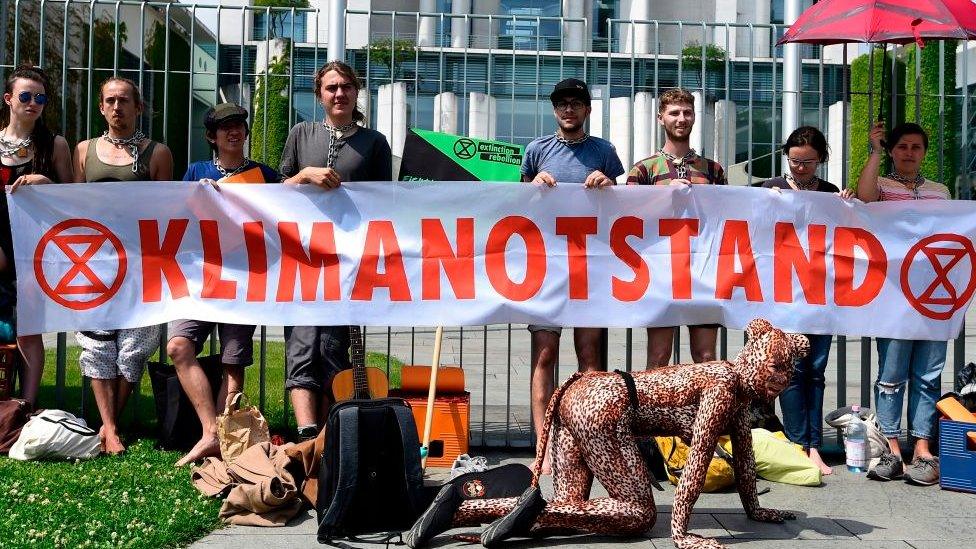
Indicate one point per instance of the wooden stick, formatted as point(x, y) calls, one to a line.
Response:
point(431, 393)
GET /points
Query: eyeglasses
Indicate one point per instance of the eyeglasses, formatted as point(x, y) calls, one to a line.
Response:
point(575, 105)
point(39, 98)
point(797, 163)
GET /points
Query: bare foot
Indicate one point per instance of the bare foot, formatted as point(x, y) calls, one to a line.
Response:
point(206, 447)
point(101, 439)
point(819, 462)
point(113, 445)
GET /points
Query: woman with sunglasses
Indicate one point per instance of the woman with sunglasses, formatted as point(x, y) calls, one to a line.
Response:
point(30, 153)
point(802, 401)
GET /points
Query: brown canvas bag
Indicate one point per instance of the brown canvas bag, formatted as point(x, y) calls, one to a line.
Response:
point(239, 428)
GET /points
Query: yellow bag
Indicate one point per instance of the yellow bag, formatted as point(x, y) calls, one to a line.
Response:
point(779, 460)
point(675, 453)
point(240, 428)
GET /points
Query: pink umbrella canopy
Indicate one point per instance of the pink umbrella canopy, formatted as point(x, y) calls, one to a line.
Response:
point(883, 21)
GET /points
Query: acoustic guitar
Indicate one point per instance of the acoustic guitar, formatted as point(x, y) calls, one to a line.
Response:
point(360, 382)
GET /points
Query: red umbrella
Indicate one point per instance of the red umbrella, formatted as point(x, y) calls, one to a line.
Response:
point(888, 21)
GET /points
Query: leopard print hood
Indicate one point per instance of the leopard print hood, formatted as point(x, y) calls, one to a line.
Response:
point(767, 359)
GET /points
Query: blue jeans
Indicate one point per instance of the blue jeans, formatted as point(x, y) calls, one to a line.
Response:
point(802, 400)
point(918, 365)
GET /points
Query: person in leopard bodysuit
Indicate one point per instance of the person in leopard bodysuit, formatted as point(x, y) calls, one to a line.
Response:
point(593, 426)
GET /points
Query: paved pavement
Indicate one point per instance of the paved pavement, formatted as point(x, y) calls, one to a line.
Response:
point(848, 510)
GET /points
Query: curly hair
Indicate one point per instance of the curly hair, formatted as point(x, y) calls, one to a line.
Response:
point(675, 96)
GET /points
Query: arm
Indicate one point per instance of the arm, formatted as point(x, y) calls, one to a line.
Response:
point(161, 164)
point(62, 160)
point(867, 182)
point(744, 466)
point(81, 151)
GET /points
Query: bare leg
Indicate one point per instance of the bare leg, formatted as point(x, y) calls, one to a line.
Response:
point(106, 398)
point(32, 349)
point(659, 341)
point(819, 462)
point(194, 381)
point(545, 351)
point(702, 341)
point(231, 382)
point(587, 342)
point(305, 403)
point(922, 449)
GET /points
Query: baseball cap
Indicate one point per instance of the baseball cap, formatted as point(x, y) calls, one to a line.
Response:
point(224, 112)
point(571, 87)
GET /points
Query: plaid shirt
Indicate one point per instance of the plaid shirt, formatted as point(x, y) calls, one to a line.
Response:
point(658, 170)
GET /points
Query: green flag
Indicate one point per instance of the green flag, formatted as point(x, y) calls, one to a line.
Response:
point(439, 156)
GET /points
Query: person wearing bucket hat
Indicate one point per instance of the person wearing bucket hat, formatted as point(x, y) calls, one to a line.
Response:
point(568, 156)
point(226, 133)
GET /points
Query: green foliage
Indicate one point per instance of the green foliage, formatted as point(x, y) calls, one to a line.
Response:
point(691, 57)
point(941, 126)
point(177, 127)
point(391, 54)
point(269, 127)
point(105, 46)
point(278, 16)
point(864, 96)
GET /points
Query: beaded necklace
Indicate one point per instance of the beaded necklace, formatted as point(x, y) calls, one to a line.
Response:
point(130, 144)
point(17, 147)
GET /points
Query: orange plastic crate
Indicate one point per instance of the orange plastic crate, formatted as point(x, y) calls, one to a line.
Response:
point(451, 423)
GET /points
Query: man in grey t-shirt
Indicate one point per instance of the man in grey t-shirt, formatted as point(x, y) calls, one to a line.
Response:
point(567, 156)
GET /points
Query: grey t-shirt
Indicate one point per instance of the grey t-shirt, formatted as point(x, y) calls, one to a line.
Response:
point(366, 155)
point(571, 163)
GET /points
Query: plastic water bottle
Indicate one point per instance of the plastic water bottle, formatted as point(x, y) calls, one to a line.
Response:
point(856, 443)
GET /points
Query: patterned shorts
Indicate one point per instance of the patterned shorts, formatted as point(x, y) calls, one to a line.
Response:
point(113, 353)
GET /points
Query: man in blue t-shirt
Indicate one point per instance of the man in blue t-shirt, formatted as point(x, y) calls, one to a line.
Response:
point(568, 156)
point(227, 132)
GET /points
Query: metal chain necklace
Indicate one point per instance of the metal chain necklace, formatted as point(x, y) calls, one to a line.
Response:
point(576, 141)
point(338, 134)
point(227, 172)
point(912, 182)
point(811, 185)
point(681, 164)
point(130, 144)
point(16, 148)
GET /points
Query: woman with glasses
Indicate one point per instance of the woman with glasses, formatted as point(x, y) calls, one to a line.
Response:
point(912, 366)
point(30, 153)
point(802, 401)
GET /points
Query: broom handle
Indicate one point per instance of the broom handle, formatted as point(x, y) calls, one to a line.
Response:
point(432, 391)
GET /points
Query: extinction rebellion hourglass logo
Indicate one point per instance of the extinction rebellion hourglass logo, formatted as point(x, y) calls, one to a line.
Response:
point(942, 280)
point(98, 263)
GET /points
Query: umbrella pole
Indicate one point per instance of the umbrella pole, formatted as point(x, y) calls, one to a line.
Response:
point(431, 393)
point(884, 73)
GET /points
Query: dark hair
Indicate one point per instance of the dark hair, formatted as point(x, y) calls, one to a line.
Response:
point(212, 134)
point(135, 88)
point(808, 135)
point(42, 138)
point(903, 129)
point(348, 73)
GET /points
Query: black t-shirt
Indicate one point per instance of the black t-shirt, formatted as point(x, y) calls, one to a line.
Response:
point(822, 186)
point(9, 174)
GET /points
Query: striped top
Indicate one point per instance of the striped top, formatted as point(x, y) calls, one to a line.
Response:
point(658, 170)
point(892, 190)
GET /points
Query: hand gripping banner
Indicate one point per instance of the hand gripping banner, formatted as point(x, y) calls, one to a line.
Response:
point(113, 255)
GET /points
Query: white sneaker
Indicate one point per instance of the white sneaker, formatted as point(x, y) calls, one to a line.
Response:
point(467, 464)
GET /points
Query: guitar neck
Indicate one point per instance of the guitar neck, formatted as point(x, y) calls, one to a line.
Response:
point(357, 355)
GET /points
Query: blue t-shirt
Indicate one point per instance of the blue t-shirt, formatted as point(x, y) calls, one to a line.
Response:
point(571, 163)
point(205, 169)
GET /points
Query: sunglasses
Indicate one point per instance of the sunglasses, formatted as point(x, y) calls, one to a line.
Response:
point(39, 98)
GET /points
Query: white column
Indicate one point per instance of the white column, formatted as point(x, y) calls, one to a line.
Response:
point(596, 118)
point(481, 115)
point(460, 27)
point(427, 30)
point(639, 38)
point(645, 125)
point(621, 131)
point(763, 15)
point(701, 133)
point(726, 11)
point(835, 140)
point(337, 29)
point(573, 32)
point(791, 77)
point(724, 150)
point(445, 113)
point(391, 115)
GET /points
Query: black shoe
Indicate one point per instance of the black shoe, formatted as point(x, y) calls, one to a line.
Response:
point(308, 433)
point(436, 519)
point(518, 522)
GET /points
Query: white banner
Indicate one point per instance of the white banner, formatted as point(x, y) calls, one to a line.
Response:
point(113, 255)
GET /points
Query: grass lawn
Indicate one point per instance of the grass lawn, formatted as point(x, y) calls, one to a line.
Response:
point(135, 500)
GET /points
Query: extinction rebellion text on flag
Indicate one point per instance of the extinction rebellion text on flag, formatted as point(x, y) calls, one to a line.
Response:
point(112, 255)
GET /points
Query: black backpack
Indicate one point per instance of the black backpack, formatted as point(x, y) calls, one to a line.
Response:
point(177, 422)
point(370, 479)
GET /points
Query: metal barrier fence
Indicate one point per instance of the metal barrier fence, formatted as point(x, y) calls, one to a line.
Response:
point(489, 64)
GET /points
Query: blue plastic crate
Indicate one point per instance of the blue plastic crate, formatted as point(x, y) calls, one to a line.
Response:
point(957, 464)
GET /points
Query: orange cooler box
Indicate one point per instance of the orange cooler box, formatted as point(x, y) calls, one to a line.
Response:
point(451, 423)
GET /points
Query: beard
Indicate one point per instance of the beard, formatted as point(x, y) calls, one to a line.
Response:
point(570, 127)
point(675, 138)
